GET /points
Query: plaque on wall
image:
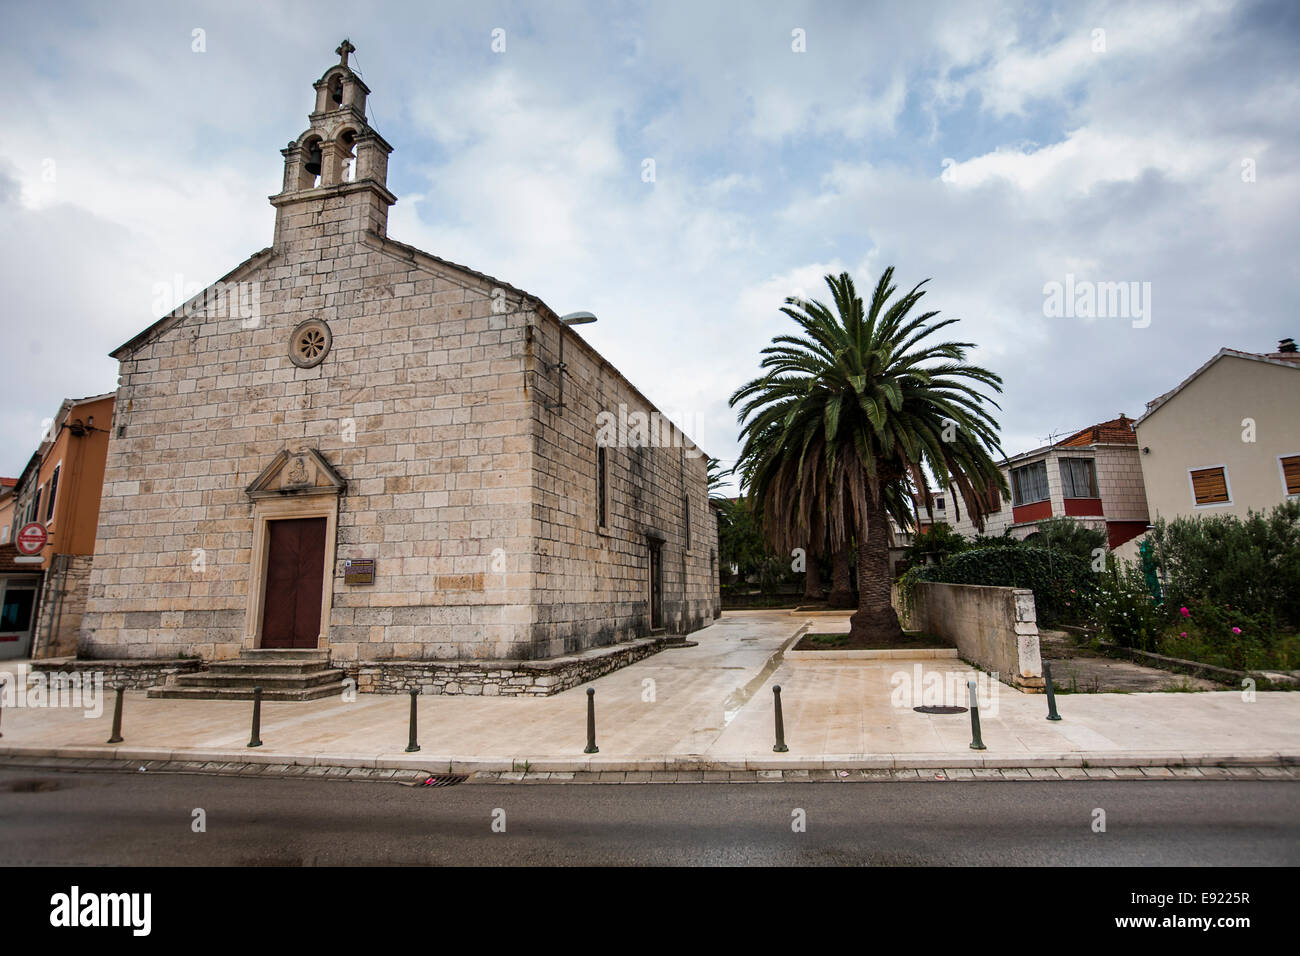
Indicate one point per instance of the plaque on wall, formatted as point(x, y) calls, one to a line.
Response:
point(359, 571)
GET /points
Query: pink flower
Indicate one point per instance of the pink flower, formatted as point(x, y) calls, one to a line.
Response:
point(1183, 634)
point(1184, 612)
point(1236, 630)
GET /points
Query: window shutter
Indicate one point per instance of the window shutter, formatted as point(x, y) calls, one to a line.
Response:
point(54, 490)
point(1210, 486)
point(1291, 474)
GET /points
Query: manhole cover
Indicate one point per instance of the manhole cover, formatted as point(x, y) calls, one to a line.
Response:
point(934, 709)
point(32, 786)
point(445, 780)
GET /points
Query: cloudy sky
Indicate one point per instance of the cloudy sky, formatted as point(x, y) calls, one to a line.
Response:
point(993, 148)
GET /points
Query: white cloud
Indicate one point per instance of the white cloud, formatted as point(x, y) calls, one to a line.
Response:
point(772, 168)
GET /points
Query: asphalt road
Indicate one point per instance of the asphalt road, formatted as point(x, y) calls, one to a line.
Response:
point(67, 818)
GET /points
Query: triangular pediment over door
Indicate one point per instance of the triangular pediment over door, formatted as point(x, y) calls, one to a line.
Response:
point(302, 472)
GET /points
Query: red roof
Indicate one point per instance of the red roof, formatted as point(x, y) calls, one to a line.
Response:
point(8, 482)
point(1116, 431)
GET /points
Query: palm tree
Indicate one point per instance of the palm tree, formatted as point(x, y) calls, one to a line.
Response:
point(851, 414)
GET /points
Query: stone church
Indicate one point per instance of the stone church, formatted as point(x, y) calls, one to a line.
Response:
point(355, 451)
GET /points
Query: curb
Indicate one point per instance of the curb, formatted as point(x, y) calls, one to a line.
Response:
point(454, 764)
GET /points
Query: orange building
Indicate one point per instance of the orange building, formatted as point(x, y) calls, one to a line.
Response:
point(7, 486)
point(41, 601)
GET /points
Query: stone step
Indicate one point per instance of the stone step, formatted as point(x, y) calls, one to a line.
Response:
point(254, 677)
point(269, 667)
point(283, 654)
point(240, 693)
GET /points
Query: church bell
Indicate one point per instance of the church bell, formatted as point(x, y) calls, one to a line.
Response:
point(313, 164)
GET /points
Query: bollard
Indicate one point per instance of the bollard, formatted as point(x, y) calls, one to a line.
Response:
point(780, 746)
point(591, 722)
point(1051, 696)
point(117, 717)
point(411, 745)
point(977, 742)
point(255, 740)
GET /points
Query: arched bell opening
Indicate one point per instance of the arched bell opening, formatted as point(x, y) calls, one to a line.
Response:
point(313, 163)
point(347, 141)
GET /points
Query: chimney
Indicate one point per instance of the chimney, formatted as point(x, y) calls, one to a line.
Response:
point(1286, 345)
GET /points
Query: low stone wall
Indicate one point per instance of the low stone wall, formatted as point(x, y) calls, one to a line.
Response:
point(498, 678)
point(134, 674)
point(994, 628)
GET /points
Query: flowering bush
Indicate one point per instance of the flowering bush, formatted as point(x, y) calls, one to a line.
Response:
point(1124, 609)
point(1224, 636)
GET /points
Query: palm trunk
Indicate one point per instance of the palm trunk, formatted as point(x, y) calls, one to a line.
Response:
point(841, 581)
point(812, 579)
point(875, 619)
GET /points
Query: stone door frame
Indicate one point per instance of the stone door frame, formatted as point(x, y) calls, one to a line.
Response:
point(266, 510)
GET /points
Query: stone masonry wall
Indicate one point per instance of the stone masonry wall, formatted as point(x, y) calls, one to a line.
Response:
point(591, 584)
point(62, 605)
point(475, 499)
point(420, 405)
point(130, 674)
point(497, 678)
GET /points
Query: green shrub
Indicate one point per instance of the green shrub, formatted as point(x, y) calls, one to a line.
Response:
point(937, 542)
point(1251, 565)
point(1068, 535)
point(1062, 583)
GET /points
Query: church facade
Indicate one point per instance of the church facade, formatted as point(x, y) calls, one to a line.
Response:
point(349, 445)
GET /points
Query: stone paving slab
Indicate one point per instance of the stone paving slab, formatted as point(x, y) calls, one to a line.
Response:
point(711, 717)
point(417, 778)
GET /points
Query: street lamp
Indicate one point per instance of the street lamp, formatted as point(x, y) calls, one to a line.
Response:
point(573, 318)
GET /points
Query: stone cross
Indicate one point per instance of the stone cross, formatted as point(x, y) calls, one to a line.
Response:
point(344, 49)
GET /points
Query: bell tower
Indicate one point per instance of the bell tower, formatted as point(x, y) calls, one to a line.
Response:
point(335, 173)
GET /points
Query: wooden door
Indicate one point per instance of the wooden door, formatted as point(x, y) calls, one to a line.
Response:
point(295, 569)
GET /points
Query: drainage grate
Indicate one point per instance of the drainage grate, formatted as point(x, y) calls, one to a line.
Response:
point(445, 780)
point(933, 709)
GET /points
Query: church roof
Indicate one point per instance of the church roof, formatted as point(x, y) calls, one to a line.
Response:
point(180, 312)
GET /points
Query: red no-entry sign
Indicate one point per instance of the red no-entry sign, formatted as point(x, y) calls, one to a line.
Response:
point(31, 538)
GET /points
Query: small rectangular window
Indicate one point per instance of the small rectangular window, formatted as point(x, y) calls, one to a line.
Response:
point(602, 484)
point(1210, 486)
point(54, 490)
point(1078, 478)
point(686, 520)
point(1291, 474)
point(16, 612)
